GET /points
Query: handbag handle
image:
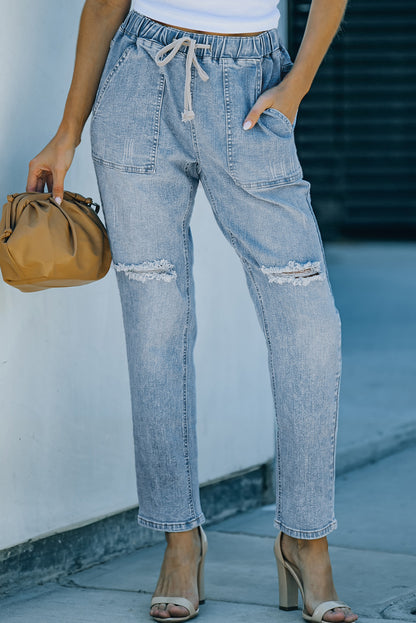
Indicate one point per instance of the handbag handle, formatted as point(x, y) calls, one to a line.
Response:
point(74, 196)
point(86, 201)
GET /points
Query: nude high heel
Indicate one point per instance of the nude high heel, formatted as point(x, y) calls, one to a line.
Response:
point(289, 585)
point(182, 601)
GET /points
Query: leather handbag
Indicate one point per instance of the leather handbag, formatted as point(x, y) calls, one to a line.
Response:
point(46, 245)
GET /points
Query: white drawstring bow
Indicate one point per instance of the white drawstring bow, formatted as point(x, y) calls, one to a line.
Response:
point(173, 48)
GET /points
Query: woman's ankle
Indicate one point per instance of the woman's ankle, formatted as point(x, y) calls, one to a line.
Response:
point(309, 544)
point(188, 539)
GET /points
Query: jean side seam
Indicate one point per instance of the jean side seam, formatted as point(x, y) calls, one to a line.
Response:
point(312, 213)
point(336, 409)
point(185, 357)
point(273, 376)
point(338, 376)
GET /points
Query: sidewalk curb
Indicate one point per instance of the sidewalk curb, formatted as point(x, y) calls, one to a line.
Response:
point(74, 549)
point(359, 455)
point(65, 552)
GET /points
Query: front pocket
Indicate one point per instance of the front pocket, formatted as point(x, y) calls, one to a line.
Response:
point(266, 155)
point(126, 117)
point(280, 115)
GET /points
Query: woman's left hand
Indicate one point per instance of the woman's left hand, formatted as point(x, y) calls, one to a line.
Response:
point(280, 97)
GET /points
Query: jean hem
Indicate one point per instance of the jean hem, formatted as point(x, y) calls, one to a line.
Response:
point(306, 534)
point(181, 526)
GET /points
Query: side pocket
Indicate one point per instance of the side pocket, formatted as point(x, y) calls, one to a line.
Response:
point(280, 115)
point(118, 52)
point(266, 155)
point(126, 121)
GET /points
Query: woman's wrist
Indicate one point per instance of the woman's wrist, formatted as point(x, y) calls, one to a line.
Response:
point(298, 83)
point(69, 133)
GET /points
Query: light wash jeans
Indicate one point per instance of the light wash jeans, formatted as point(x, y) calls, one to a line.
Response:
point(163, 120)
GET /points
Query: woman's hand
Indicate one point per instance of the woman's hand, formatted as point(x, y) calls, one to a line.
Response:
point(100, 20)
point(281, 97)
point(50, 167)
point(323, 22)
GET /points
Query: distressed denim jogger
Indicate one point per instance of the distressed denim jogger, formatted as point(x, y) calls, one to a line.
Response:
point(163, 121)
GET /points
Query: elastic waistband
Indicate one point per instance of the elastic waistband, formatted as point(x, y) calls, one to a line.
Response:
point(254, 46)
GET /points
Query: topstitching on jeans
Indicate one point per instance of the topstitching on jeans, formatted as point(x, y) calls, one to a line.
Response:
point(273, 380)
point(264, 157)
point(167, 526)
point(129, 97)
point(185, 423)
point(307, 534)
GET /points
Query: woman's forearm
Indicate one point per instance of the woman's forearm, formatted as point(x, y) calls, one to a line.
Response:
point(324, 19)
point(323, 22)
point(99, 22)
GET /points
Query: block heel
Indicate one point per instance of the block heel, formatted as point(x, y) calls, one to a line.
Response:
point(201, 568)
point(288, 589)
point(290, 584)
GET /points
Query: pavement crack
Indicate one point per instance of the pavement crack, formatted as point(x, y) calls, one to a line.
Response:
point(72, 584)
point(402, 607)
point(242, 533)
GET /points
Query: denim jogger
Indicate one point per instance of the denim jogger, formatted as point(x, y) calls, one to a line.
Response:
point(159, 127)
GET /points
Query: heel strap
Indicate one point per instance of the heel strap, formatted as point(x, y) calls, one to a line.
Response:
point(320, 610)
point(204, 542)
point(178, 601)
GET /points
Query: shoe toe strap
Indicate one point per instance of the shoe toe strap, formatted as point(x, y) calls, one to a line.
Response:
point(320, 610)
point(178, 601)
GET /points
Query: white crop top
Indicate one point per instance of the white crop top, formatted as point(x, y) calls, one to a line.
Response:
point(227, 16)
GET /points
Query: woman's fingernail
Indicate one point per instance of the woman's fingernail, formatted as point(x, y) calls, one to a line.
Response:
point(247, 124)
point(58, 200)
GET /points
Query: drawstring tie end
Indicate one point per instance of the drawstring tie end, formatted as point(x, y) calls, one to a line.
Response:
point(173, 47)
point(188, 115)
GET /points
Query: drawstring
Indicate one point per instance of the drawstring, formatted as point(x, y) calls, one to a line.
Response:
point(188, 113)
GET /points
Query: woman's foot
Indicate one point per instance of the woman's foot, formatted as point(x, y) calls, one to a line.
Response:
point(310, 559)
point(178, 575)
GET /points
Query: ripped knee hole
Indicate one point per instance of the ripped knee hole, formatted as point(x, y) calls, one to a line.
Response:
point(161, 270)
point(295, 273)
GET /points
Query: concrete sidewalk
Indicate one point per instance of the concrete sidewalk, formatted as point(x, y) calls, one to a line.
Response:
point(374, 548)
point(373, 554)
point(374, 285)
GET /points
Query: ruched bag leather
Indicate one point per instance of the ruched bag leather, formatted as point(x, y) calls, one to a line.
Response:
point(46, 245)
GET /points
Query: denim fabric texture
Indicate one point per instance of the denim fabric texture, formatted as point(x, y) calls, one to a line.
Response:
point(158, 129)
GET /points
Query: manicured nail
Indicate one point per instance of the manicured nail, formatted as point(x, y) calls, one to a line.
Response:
point(58, 200)
point(247, 124)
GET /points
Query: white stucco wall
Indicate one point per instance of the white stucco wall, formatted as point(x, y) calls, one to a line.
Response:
point(66, 454)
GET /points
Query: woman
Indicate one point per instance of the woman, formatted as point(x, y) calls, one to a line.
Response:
point(234, 133)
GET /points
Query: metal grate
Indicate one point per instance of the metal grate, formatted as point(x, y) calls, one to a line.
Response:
point(356, 132)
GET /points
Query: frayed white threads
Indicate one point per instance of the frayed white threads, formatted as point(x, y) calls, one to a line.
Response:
point(161, 270)
point(294, 273)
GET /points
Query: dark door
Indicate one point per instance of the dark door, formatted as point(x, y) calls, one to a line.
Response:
point(356, 132)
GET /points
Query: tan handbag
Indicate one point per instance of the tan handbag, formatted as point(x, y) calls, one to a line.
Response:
point(44, 245)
